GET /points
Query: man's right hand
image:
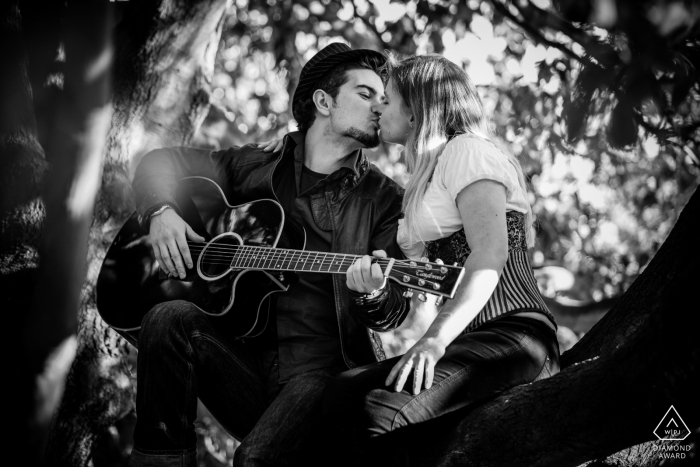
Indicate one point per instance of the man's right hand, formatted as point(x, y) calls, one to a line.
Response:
point(168, 234)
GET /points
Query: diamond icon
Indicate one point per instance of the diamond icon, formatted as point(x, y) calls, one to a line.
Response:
point(671, 427)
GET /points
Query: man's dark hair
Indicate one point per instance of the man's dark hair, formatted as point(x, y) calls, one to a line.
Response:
point(331, 82)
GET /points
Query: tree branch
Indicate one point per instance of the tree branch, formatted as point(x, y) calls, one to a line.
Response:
point(536, 35)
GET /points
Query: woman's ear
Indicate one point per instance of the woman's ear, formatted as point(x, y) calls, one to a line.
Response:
point(411, 120)
point(323, 102)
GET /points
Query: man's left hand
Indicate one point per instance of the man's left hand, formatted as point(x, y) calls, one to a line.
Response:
point(364, 276)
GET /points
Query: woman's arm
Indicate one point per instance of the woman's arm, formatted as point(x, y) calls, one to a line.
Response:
point(482, 206)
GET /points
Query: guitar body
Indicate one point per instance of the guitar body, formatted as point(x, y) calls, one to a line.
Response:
point(131, 282)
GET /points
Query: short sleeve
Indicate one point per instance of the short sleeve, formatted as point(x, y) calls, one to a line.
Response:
point(468, 159)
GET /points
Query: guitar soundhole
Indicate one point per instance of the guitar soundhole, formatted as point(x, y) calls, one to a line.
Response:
point(218, 256)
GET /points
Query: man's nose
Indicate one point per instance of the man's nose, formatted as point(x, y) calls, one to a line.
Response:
point(379, 107)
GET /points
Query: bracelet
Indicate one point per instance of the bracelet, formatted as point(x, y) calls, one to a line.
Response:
point(158, 211)
point(373, 294)
point(376, 296)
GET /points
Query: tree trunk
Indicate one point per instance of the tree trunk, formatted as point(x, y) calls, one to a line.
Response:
point(163, 65)
point(615, 386)
point(73, 144)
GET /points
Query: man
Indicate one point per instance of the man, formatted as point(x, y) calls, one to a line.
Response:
point(267, 390)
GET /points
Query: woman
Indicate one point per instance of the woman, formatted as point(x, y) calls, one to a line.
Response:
point(465, 202)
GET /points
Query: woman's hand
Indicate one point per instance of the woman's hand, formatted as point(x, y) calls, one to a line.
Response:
point(421, 358)
point(168, 234)
point(364, 276)
point(273, 145)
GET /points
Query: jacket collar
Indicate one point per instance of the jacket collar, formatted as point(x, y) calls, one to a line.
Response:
point(359, 164)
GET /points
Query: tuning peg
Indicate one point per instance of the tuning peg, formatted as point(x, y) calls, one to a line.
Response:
point(425, 259)
point(456, 264)
point(408, 293)
point(422, 297)
point(439, 261)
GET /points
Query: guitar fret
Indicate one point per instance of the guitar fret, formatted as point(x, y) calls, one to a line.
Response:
point(261, 257)
point(289, 261)
point(294, 260)
point(340, 263)
point(256, 257)
point(305, 261)
point(237, 259)
point(246, 257)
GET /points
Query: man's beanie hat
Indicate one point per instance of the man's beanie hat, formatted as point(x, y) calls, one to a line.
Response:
point(321, 63)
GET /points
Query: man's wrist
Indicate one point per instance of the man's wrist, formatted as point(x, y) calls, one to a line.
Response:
point(373, 297)
point(158, 211)
point(375, 293)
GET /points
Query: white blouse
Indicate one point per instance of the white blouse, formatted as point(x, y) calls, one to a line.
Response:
point(465, 160)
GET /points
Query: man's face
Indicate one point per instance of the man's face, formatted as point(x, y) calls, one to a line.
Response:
point(355, 111)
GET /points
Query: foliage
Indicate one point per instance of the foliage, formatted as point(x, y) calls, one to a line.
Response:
point(604, 120)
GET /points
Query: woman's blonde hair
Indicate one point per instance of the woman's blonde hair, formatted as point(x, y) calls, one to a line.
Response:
point(444, 103)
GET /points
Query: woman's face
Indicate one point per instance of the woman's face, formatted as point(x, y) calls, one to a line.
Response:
point(396, 120)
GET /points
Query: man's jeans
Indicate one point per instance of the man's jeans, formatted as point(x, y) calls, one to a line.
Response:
point(476, 366)
point(182, 357)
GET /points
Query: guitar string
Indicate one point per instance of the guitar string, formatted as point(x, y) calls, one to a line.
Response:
point(252, 250)
point(283, 256)
point(326, 269)
point(249, 252)
point(249, 259)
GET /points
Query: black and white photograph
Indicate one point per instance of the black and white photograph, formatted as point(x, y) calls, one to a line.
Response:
point(350, 233)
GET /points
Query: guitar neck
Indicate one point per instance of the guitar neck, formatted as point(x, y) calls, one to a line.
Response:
point(275, 259)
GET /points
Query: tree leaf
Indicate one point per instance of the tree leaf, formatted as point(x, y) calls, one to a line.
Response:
point(576, 112)
point(622, 130)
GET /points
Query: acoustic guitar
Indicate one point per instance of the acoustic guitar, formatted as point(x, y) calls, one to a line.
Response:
point(249, 254)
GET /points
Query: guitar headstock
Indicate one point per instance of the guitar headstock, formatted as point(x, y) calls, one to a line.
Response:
point(435, 278)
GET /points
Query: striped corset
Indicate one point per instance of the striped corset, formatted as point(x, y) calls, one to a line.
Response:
point(517, 287)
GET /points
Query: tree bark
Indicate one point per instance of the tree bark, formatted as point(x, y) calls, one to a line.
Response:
point(163, 65)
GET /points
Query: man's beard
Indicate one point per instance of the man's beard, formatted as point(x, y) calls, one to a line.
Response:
point(367, 139)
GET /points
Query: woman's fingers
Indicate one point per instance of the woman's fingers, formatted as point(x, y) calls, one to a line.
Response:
point(404, 373)
point(272, 145)
point(429, 373)
point(418, 373)
point(395, 371)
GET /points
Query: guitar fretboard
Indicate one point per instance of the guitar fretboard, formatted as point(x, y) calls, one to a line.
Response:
point(250, 257)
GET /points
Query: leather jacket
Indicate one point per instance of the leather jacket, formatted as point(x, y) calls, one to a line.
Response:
point(361, 211)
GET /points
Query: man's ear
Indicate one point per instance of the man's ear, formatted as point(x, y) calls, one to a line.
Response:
point(323, 102)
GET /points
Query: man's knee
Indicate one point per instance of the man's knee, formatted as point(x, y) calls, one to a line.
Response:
point(379, 412)
point(166, 319)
